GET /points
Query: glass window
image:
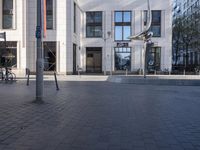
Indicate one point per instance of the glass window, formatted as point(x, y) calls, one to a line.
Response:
point(7, 14)
point(156, 22)
point(118, 33)
point(74, 17)
point(122, 25)
point(156, 17)
point(156, 31)
point(127, 16)
point(118, 17)
point(123, 58)
point(127, 31)
point(154, 59)
point(49, 13)
point(93, 24)
point(8, 56)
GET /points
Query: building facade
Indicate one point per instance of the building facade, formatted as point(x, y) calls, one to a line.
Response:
point(188, 9)
point(91, 35)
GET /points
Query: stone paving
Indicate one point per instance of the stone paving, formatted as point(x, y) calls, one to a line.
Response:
point(99, 116)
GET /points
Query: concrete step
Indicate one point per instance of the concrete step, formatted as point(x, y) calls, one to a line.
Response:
point(157, 80)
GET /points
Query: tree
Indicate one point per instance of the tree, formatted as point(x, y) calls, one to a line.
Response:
point(177, 40)
point(186, 35)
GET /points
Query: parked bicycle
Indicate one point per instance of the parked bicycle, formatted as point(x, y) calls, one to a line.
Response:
point(197, 71)
point(7, 74)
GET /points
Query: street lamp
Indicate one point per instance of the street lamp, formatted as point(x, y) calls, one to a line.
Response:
point(39, 60)
point(105, 39)
point(145, 36)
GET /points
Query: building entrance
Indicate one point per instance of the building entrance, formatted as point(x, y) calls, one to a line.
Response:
point(94, 60)
point(49, 56)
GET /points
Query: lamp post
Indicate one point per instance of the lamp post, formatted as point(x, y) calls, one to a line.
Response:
point(39, 60)
point(105, 39)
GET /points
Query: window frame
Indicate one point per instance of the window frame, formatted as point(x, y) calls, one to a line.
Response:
point(157, 65)
point(94, 24)
point(51, 12)
point(12, 48)
point(122, 24)
point(154, 24)
point(7, 13)
point(74, 17)
point(118, 50)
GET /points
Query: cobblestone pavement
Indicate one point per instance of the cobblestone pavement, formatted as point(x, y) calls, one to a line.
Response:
point(99, 116)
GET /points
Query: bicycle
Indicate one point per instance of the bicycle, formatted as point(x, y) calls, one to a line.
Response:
point(7, 74)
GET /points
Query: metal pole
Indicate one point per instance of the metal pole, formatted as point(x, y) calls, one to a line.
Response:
point(39, 61)
point(144, 58)
point(111, 64)
point(104, 56)
point(57, 88)
point(28, 76)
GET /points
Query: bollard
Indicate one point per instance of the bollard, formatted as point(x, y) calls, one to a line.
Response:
point(140, 71)
point(79, 71)
point(6, 74)
point(28, 76)
point(126, 71)
point(57, 88)
point(28, 79)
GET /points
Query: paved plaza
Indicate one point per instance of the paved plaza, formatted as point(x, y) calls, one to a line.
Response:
point(99, 116)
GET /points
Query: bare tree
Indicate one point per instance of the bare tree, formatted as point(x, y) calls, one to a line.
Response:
point(186, 35)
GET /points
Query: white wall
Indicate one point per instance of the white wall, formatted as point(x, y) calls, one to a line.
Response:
point(137, 7)
point(62, 33)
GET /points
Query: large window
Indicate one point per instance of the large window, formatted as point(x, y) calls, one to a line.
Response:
point(123, 58)
point(153, 61)
point(8, 56)
point(7, 14)
point(122, 25)
point(49, 13)
point(93, 24)
point(74, 17)
point(156, 22)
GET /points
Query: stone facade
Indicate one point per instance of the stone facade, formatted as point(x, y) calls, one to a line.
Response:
point(63, 36)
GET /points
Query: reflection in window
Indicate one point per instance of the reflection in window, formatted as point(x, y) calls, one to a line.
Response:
point(156, 22)
point(154, 60)
point(93, 24)
point(49, 13)
point(8, 57)
point(123, 58)
point(122, 25)
point(7, 14)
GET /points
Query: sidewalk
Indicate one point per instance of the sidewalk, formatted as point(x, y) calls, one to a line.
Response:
point(99, 116)
point(68, 77)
